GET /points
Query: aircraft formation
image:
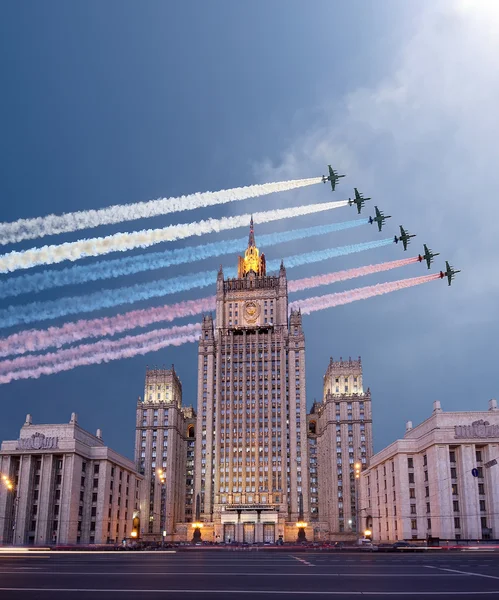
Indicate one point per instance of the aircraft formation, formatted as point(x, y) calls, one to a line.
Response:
point(380, 219)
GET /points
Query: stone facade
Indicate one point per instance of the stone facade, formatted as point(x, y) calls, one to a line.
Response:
point(343, 430)
point(162, 444)
point(252, 475)
point(68, 487)
point(423, 485)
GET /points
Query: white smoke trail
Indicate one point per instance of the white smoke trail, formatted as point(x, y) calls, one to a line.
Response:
point(27, 229)
point(98, 348)
point(120, 242)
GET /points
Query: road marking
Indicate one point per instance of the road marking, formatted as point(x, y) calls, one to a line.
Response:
point(250, 592)
point(302, 560)
point(60, 573)
point(463, 572)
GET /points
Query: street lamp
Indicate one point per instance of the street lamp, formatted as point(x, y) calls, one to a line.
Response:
point(357, 467)
point(11, 488)
point(162, 478)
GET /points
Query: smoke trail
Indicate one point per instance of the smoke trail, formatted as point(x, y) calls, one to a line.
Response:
point(105, 351)
point(52, 309)
point(78, 352)
point(39, 339)
point(311, 282)
point(28, 229)
point(129, 346)
point(312, 257)
point(37, 282)
point(120, 242)
point(310, 305)
point(35, 340)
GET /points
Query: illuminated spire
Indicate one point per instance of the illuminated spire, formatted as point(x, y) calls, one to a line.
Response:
point(253, 261)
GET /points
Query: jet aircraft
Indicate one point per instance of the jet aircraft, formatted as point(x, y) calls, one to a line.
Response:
point(404, 237)
point(427, 256)
point(359, 200)
point(450, 272)
point(333, 177)
point(379, 218)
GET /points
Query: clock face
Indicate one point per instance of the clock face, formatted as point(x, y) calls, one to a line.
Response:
point(251, 311)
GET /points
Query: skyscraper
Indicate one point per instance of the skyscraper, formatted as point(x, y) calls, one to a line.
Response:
point(251, 470)
point(344, 439)
point(161, 451)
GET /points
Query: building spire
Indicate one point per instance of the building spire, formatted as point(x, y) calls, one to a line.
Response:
point(253, 261)
point(251, 240)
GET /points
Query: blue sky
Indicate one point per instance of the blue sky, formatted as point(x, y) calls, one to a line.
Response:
point(118, 102)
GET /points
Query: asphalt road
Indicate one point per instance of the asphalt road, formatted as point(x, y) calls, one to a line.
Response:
point(247, 574)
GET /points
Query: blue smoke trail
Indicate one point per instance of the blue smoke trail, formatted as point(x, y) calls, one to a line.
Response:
point(52, 309)
point(38, 282)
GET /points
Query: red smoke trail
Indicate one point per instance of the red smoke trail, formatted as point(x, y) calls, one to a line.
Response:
point(30, 367)
point(33, 340)
point(39, 339)
point(95, 359)
point(89, 354)
point(310, 305)
point(311, 282)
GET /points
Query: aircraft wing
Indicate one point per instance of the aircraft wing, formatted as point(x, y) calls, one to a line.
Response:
point(378, 212)
point(426, 251)
point(333, 183)
point(380, 225)
point(357, 195)
point(402, 231)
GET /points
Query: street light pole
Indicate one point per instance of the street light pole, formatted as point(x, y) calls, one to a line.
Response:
point(11, 488)
point(357, 467)
point(162, 478)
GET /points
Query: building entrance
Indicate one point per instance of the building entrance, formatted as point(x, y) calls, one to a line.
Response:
point(249, 533)
point(269, 533)
point(229, 533)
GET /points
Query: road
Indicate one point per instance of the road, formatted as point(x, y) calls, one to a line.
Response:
point(215, 575)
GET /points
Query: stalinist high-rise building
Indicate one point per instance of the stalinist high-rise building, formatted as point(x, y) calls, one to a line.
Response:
point(252, 475)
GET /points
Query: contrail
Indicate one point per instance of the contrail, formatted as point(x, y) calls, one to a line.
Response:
point(32, 367)
point(310, 282)
point(310, 305)
point(52, 309)
point(35, 340)
point(40, 339)
point(104, 351)
point(121, 242)
point(129, 265)
point(28, 229)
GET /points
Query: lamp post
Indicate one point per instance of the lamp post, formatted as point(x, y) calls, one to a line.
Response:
point(301, 522)
point(197, 525)
point(11, 488)
point(357, 467)
point(162, 478)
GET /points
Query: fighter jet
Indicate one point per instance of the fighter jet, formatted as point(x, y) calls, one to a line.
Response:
point(359, 200)
point(404, 237)
point(450, 272)
point(379, 218)
point(333, 177)
point(427, 256)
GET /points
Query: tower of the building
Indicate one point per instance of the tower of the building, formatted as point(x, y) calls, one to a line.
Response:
point(161, 440)
point(344, 438)
point(251, 447)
